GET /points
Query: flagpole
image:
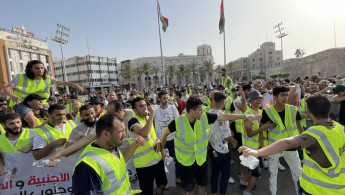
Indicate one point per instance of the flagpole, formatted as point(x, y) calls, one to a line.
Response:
point(224, 36)
point(160, 43)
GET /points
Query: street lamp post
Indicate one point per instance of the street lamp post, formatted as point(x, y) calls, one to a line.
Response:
point(279, 30)
point(61, 38)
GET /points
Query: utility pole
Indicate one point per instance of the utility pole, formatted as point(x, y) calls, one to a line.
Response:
point(61, 38)
point(279, 30)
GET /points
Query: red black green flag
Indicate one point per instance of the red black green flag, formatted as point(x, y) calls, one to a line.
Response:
point(222, 19)
point(164, 20)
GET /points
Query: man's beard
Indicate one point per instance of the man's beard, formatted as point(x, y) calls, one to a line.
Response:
point(8, 130)
point(90, 124)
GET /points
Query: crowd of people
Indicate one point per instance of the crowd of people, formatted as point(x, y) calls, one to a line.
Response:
point(300, 120)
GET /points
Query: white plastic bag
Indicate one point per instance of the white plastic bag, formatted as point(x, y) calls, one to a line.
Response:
point(251, 162)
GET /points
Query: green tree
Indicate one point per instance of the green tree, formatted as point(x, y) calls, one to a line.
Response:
point(193, 68)
point(139, 73)
point(171, 71)
point(299, 53)
point(127, 73)
point(147, 71)
point(181, 71)
point(208, 67)
point(218, 70)
point(285, 74)
point(202, 73)
point(274, 76)
point(155, 71)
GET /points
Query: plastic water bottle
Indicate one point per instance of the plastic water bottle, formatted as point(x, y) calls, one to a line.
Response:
point(44, 162)
point(8, 174)
point(167, 159)
point(214, 154)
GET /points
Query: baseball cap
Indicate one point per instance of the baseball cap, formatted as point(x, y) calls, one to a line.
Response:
point(254, 94)
point(74, 97)
point(33, 97)
point(96, 99)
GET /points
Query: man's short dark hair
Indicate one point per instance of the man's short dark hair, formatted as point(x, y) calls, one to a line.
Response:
point(106, 123)
point(9, 116)
point(223, 69)
point(55, 107)
point(85, 107)
point(280, 89)
point(319, 106)
point(162, 93)
point(146, 94)
point(193, 103)
point(183, 90)
point(178, 94)
point(118, 105)
point(135, 100)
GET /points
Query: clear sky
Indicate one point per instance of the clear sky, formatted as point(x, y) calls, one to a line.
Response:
point(127, 29)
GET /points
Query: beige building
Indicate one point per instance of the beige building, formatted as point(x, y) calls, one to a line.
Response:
point(329, 62)
point(264, 60)
point(204, 53)
point(17, 48)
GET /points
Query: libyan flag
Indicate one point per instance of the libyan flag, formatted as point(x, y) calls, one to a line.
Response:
point(164, 20)
point(222, 19)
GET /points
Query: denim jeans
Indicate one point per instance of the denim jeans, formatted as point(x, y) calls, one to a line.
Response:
point(220, 164)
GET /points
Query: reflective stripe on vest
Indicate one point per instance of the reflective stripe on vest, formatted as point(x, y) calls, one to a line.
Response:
point(145, 154)
point(28, 86)
point(251, 142)
point(48, 134)
point(25, 139)
point(282, 131)
point(319, 180)
point(228, 104)
point(195, 149)
point(111, 170)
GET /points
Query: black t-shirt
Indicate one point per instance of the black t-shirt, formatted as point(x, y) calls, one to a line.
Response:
point(211, 118)
point(342, 113)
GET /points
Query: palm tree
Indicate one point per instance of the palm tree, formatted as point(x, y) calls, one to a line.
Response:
point(181, 71)
point(127, 72)
point(138, 72)
point(202, 73)
point(299, 53)
point(193, 68)
point(208, 67)
point(218, 69)
point(155, 71)
point(147, 70)
point(230, 66)
point(171, 71)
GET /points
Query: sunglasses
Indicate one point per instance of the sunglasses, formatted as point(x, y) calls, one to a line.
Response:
point(95, 103)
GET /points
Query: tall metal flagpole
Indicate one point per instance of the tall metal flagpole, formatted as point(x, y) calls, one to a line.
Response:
point(224, 36)
point(160, 42)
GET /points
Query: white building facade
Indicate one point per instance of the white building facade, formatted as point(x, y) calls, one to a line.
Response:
point(91, 72)
point(204, 53)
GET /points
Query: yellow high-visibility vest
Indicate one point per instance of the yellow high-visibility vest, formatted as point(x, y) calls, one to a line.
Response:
point(28, 86)
point(282, 131)
point(110, 169)
point(225, 83)
point(145, 154)
point(191, 144)
point(254, 141)
point(51, 134)
point(316, 179)
point(25, 139)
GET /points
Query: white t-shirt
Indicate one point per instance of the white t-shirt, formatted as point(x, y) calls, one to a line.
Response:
point(219, 130)
point(162, 119)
